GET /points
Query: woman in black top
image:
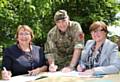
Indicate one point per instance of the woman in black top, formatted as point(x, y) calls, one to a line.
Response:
point(23, 58)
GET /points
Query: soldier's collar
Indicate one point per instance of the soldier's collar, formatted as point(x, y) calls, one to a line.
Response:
point(62, 33)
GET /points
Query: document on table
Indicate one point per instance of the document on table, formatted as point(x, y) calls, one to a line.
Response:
point(21, 78)
point(25, 78)
point(70, 74)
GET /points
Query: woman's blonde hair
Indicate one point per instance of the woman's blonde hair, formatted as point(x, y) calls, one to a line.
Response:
point(25, 27)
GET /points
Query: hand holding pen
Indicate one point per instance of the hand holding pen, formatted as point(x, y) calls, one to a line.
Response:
point(53, 67)
point(6, 75)
point(80, 68)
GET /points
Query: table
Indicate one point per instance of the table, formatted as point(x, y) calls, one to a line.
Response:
point(66, 77)
point(106, 78)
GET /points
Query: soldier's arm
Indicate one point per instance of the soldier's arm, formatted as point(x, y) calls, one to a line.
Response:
point(50, 49)
point(79, 43)
point(50, 53)
point(75, 57)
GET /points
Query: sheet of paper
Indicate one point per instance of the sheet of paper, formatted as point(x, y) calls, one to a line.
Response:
point(71, 74)
point(20, 78)
point(24, 78)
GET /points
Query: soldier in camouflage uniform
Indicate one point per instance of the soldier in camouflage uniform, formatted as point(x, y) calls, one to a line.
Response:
point(64, 43)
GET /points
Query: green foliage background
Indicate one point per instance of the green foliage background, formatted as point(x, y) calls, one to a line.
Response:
point(38, 14)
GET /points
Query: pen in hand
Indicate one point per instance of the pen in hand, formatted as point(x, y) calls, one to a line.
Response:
point(6, 75)
point(53, 67)
point(4, 69)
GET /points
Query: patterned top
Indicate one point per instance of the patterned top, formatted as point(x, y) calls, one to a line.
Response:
point(92, 60)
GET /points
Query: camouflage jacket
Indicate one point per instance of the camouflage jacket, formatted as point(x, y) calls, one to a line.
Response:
point(60, 46)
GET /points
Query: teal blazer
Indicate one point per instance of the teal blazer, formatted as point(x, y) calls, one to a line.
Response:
point(109, 61)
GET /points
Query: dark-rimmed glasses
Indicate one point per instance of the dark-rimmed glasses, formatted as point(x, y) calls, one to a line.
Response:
point(97, 31)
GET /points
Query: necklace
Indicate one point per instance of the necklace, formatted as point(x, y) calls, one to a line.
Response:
point(28, 55)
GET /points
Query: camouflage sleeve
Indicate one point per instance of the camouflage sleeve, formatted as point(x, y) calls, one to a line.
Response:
point(79, 36)
point(50, 49)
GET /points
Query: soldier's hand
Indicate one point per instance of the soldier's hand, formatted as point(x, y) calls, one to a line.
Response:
point(53, 68)
point(67, 69)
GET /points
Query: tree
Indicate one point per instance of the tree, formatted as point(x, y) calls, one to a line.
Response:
point(88, 11)
point(16, 12)
point(38, 14)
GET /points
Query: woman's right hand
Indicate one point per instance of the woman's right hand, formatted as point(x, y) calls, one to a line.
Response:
point(80, 69)
point(6, 75)
point(53, 68)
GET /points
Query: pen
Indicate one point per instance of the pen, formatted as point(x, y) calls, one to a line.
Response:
point(4, 69)
point(41, 77)
point(98, 76)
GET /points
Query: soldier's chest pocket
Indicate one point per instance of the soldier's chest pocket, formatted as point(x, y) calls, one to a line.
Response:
point(63, 43)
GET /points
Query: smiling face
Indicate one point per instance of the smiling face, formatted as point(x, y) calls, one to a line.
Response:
point(24, 35)
point(61, 19)
point(98, 35)
point(98, 31)
point(62, 24)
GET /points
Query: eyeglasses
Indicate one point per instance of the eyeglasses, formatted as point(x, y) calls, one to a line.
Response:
point(24, 33)
point(97, 31)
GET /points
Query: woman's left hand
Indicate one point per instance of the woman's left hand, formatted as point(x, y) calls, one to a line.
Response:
point(34, 71)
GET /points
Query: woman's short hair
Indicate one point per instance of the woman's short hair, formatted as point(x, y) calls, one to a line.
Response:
point(25, 27)
point(98, 24)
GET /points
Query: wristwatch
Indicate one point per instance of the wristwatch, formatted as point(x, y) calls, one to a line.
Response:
point(72, 66)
